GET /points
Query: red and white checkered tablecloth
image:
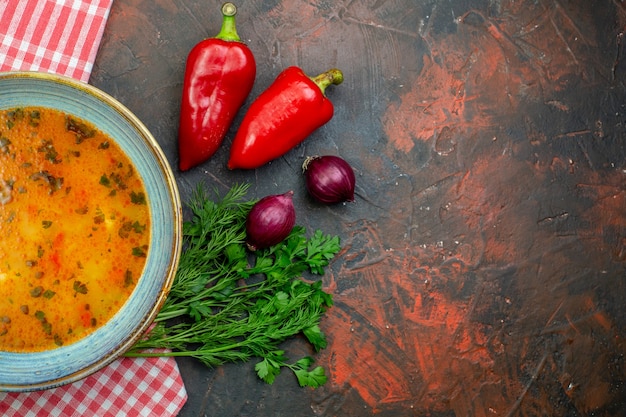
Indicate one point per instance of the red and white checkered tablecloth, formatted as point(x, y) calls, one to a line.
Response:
point(62, 37)
point(149, 387)
point(59, 36)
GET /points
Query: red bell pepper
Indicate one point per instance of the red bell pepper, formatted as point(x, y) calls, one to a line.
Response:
point(285, 114)
point(219, 75)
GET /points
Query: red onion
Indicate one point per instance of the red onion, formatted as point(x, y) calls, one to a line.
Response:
point(329, 179)
point(270, 221)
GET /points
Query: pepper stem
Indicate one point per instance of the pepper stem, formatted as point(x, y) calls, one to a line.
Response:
point(332, 76)
point(228, 32)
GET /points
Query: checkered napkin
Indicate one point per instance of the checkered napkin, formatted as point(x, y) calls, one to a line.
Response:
point(62, 37)
point(148, 387)
point(59, 36)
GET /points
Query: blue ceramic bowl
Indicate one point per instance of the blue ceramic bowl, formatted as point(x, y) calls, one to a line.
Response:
point(42, 370)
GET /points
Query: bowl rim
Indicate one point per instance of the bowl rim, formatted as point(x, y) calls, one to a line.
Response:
point(173, 195)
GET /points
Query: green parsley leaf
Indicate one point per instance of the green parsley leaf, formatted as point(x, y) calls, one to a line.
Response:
point(314, 378)
point(138, 198)
point(48, 294)
point(140, 251)
point(79, 287)
point(269, 368)
point(316, 337)
point(104, 180)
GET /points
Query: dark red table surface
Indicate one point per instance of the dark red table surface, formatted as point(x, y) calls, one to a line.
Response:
point(483, 269)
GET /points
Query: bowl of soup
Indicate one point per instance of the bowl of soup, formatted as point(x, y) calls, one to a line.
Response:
point(90, 230)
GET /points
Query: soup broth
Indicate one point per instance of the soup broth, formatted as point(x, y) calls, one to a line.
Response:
point(74, 228)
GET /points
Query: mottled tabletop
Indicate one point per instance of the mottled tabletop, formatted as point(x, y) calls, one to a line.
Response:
point(483, 263)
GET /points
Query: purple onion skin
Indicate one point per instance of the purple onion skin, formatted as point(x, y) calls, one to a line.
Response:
point(329, 179)
point(270, 221)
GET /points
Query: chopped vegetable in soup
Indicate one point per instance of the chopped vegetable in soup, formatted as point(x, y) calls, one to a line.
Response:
point(74, 228)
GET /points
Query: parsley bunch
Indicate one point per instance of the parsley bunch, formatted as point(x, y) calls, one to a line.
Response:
point(227, 304)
